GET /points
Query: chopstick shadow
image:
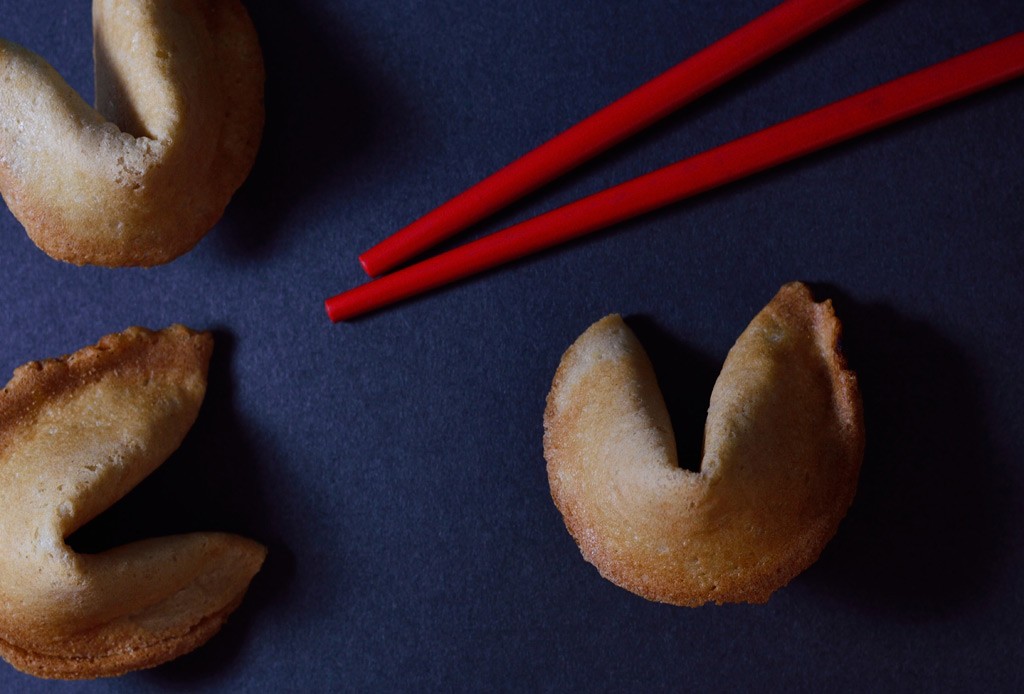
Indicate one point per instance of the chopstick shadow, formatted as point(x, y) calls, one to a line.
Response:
point(574, 184)
point(325, 108)
point(211, 483)
point(931, 511)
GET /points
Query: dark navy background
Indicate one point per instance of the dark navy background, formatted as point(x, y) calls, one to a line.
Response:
point(394, 465)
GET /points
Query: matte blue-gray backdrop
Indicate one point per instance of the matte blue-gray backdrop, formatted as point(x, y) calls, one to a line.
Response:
point(394, 465)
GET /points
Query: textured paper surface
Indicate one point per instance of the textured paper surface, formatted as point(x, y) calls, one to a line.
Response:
point(394, 465)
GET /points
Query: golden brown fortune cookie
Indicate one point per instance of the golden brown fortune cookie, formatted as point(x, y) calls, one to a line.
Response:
point(76, 434)
point(139, 179)
point(783, 444)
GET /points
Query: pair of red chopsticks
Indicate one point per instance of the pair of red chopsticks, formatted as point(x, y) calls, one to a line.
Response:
point(958, 77)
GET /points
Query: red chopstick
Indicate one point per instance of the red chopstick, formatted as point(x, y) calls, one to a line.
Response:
point(695, 76)
point(901, 98)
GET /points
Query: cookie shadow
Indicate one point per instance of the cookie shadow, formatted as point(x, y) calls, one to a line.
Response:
point(686, 378)
point(924, 532)
point(211, 483)
point(325, 108)
point(923, 536)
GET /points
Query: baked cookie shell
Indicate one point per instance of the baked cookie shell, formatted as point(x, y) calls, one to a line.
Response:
point(783, 446)
point(76, 434)
point(141, 178)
